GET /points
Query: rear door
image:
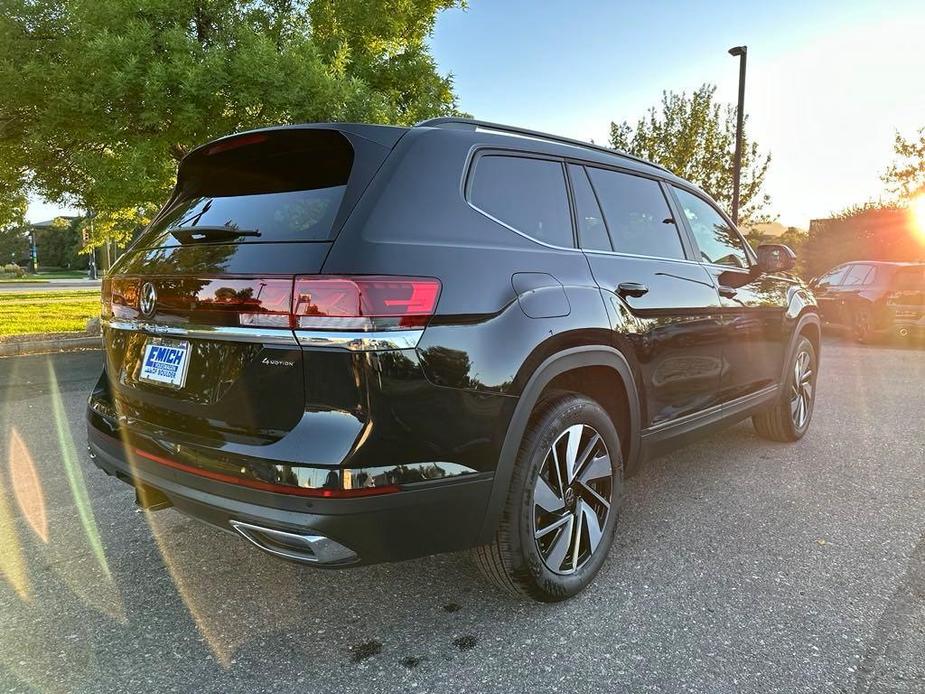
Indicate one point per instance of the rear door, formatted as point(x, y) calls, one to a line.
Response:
point(826, 289)
point(858, 277)
point(753, 304)
point(197, 314)
point(663, 306)
point(906, 297)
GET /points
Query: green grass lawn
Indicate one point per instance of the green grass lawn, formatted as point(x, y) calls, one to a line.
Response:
point(23, 313)
point(20, 280)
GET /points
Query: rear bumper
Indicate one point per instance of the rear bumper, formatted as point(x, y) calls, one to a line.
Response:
point(420, 519)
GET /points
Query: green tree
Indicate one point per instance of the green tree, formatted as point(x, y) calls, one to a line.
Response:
point(869, 231)
point(99, 99)
point(694, 136)
point(59, 244)
point(14, 245)
point(906, 176)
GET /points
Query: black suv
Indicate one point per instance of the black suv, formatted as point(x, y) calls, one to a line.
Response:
point(872, 298)
point(357, 343)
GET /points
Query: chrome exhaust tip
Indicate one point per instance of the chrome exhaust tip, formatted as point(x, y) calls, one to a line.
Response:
point(308, 548)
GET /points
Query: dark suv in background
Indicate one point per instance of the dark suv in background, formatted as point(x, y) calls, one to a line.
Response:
point(357, 343)
point(873, 298)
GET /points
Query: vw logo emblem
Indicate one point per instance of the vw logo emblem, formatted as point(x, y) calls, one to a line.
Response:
point(148, 299)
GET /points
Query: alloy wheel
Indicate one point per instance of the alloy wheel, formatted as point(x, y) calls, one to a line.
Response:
point(572, 497)
point(801, 396)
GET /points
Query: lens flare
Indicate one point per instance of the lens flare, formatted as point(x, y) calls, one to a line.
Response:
point(917, 209)
point(72, 472)
point(27, 488)
point(12, 561)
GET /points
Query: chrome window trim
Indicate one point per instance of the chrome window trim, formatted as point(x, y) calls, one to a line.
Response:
point(517, 231)
point(205, 332)
point(476, 152)
point(645, 257)
point(373, 341)
point(583, 250)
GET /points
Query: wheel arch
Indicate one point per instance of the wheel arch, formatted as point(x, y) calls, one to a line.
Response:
point(557, 365)
point(807, 325)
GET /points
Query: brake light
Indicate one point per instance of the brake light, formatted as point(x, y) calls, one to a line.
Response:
point(363, 303)
point(119, 297)
point(106, 299)
point(235, 142)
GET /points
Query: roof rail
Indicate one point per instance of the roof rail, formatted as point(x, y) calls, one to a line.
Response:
point(453, 122)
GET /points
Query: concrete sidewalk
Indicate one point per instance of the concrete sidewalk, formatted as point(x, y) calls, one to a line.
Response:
point(48, 285)
point(53, 342)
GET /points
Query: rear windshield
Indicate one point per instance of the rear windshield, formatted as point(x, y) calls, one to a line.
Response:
point(285, 186)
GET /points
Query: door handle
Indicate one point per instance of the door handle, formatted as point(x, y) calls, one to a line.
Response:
point(727, 292)
point(632, 289)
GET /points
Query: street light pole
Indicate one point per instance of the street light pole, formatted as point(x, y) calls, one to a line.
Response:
point(93, 251)
point(33, 251)
point(742, 53)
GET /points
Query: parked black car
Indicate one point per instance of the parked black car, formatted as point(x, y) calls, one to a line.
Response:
point(873, 298)
point(357, 343)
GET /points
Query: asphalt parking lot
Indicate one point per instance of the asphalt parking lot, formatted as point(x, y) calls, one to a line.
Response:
point(740, 566)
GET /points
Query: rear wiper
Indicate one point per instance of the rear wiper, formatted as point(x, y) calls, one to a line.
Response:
point(204, 234)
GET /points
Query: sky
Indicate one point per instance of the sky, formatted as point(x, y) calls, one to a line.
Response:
point(827, 86)
point(828, 83)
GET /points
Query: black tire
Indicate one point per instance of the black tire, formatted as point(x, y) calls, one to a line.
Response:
point(781, 422)
point(515, 561)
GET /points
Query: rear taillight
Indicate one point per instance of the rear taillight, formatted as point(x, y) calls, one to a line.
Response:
point(363, 303)
point(119, 297)
point(254, 302)
point(106, 299)
point(315, 303)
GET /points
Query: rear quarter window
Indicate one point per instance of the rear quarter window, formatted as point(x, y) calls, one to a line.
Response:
point(526, 194)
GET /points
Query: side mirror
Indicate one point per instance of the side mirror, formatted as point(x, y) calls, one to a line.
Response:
point(776, 257)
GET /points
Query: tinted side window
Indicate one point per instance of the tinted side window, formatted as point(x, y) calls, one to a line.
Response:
point(718, 242)
point(834, 277)
point(592, 234)
point(856, 275)
point(526, 194)
point(636, 214)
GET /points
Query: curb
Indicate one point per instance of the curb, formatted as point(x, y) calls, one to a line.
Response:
point(66, 344)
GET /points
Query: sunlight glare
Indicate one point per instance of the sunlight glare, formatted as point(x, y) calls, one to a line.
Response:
point(72, 471)
point(27, 488)
point(12, 560)
point(917, 207)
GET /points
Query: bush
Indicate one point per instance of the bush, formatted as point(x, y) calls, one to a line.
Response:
point(13, 270)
